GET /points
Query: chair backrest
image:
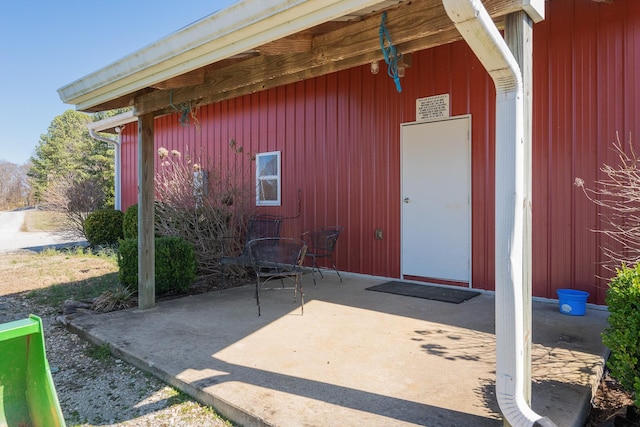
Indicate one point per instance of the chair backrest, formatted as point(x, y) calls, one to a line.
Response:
point(263, 226)
point(284, 251)
point(323, 241)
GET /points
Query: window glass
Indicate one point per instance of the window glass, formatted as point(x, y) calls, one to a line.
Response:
point(268, 179)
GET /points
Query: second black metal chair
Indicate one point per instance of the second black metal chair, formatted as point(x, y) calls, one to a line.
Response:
point(321, 244)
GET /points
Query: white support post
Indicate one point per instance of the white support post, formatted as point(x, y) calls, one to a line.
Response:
point(518, 35)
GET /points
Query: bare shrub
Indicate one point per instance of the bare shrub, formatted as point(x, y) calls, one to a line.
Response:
point(75, 199)
point(619, 196)
point(204, 203)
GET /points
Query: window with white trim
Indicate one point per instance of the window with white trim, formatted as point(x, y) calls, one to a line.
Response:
point(268, 179)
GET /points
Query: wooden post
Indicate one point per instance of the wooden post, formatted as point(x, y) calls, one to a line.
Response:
point(518, 35)
point(146, 234)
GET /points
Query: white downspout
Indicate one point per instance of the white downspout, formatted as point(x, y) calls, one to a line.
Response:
point(117, 179)
point(476, 27)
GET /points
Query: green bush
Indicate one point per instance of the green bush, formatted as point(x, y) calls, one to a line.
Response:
point(128, 262)
point(175, 264)
point(623, 300)
point(130, 222)
point(103, 227)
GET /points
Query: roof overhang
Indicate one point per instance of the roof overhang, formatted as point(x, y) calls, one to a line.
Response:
point(255, 45)
point(232, 31)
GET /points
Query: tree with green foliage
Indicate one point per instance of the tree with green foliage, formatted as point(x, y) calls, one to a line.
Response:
point(67, 150)
point(101, 115)
point(72, 172)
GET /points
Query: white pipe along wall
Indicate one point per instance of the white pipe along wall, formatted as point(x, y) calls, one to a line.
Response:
point(116, 142)
point(117, 123)
point(476, 27)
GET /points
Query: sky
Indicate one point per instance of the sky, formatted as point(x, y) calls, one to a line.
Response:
point(47, 44)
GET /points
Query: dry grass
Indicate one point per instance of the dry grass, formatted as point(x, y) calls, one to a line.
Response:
point(36, 220)
point(56, 273)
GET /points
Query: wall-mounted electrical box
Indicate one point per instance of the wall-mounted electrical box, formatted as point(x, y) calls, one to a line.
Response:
point(378, 234)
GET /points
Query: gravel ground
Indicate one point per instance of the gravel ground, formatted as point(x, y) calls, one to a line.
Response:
point(96, 389)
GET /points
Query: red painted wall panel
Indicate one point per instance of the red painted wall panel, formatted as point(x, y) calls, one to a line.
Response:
point(584, 92)
point(339, 136)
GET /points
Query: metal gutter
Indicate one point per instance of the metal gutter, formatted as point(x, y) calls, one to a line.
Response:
point(476, 27)
point(232, 31)
point(117, 123)
point(113, 122)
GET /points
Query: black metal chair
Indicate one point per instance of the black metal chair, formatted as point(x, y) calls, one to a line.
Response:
point(278, 258)
point(321, 244)
point(260, 226)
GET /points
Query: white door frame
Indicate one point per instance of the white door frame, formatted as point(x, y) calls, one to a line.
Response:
point(468, 225)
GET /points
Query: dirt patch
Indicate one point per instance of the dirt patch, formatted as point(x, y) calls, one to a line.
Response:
point(612, 406)
point(37, 220)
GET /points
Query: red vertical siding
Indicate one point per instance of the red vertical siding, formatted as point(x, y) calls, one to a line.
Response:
point(339, 138)
point(129, 165)
point(584, 148)
point(584, 92)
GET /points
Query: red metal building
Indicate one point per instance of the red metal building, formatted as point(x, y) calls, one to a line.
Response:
point(341, 148)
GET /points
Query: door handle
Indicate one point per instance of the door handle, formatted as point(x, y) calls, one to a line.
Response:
point(407, 200)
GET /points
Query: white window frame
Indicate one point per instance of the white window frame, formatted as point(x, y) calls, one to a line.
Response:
point(277, 177)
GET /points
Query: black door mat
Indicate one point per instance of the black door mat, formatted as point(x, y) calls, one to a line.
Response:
point(436, 293)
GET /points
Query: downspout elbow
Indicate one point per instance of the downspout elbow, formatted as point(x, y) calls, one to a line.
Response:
point(95, 135)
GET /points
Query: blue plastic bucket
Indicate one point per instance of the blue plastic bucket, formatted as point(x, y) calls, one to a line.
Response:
point(572, 302)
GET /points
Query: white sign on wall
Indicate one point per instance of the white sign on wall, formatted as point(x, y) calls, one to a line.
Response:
point(432, 107)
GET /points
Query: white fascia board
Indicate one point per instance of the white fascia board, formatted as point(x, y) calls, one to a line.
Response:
point(535, 9)
point(113, 121)
point(232, 31)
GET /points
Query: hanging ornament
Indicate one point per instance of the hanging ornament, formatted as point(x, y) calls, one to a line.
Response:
point(391, 55)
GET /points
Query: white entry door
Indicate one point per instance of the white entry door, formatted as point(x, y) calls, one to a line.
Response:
point(436, 199)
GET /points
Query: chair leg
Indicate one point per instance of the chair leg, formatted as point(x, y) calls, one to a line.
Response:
point(338, 273)
point(314, 266)
point(298, 288)
point(319, 271)
point(334, 267)
point(258, 294)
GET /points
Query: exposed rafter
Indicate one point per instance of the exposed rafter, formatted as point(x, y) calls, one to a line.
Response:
point(292, 44)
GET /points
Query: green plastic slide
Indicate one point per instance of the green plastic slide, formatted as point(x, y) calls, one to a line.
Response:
point(27, 394)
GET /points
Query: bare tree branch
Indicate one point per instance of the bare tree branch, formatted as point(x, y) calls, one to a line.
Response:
point(75, 199)
point(204, 203)
point(619, 196)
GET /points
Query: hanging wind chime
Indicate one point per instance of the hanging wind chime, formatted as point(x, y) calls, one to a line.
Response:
point(391, 55)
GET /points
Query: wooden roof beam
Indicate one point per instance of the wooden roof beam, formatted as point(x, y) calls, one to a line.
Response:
point(191, 78)
point(414, 26)
point(332, 67)
point(292, 44)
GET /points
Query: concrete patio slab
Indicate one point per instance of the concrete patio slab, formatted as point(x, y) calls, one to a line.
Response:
point(355, 358)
